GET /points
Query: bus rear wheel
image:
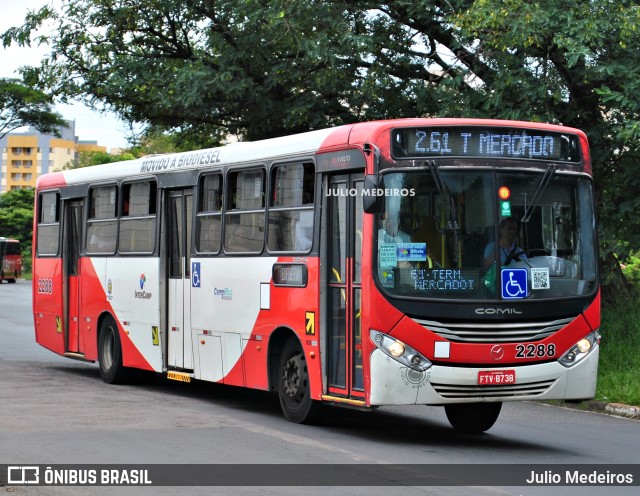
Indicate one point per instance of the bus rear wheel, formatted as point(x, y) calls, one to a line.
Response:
point(473, 418)
point(293, 385)
point(110, 353)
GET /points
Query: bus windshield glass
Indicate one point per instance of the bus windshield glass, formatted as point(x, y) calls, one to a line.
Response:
point(484, 235)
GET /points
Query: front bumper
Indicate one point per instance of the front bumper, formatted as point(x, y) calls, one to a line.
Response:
point(395, 384)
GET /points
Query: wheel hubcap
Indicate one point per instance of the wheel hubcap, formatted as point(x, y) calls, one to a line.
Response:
point(292, 375)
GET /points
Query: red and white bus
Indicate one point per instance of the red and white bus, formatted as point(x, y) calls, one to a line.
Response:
point(10, 260)
point(442, 262)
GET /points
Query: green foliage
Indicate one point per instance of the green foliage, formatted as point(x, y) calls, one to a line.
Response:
point(27, 265)
point(17, 198)
point(619, 366)
point(16, 215)
point(21, 105)
point(631, 269)
point(249, 67)
point(87, 159)
point(160, 139)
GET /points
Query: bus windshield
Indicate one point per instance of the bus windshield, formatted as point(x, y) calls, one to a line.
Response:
point(486, 235)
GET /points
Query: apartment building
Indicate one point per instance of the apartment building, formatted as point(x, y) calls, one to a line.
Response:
point(29, 154)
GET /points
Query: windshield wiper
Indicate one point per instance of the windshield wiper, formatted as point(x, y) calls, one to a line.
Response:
point(542, 186)
point(452, 224)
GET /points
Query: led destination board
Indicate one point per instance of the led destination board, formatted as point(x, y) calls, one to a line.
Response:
point(485, 142)
point(286, 274)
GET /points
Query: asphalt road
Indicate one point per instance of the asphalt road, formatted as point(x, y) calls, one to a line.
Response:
point(54, 410)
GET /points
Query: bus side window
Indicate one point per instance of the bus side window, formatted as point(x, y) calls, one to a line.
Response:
point(291, 209)
point(48, 224)
point(209, 216)
point(102, 221)
point(244, 219)
point(138, 219)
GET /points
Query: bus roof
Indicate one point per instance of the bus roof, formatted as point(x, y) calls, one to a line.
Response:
point(270, 149)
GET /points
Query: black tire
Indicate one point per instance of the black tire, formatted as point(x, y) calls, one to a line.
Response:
point(294, 387)
point(110, 353)
point(473, 418)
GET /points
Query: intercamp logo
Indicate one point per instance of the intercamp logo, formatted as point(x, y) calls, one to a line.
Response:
point(142, 294)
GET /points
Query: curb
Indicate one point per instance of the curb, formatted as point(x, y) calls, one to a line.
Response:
point(623, 410)
point(616, 409)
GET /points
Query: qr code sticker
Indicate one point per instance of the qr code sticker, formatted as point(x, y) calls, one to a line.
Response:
point(540, 278)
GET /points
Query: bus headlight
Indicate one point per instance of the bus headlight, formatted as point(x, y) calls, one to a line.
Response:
point(400, 351)
point(580, 350)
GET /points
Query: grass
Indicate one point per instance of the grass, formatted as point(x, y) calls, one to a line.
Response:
point(619, 370)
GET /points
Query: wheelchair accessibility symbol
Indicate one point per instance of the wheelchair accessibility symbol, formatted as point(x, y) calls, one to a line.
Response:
point(195, 274)
point(514, 284)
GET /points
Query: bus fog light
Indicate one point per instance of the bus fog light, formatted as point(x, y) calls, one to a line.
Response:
point(580, 350)
point(400, 351)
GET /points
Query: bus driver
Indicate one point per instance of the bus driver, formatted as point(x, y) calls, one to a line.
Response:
point(509, 250)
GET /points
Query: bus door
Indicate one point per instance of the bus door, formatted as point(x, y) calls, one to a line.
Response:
point(344, 250)
point(71, 244)
point(178, 237)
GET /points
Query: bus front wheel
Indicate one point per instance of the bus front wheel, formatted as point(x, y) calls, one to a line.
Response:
point(473, 418)
point(293, 385)
point(110, 353)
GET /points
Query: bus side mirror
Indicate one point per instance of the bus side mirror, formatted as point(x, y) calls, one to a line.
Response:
point(373, 194)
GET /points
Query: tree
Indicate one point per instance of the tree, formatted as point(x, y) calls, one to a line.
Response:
point(244, 67)
point(162, 139)
point(87, 159)
point(16, 216)
point(261, 69)
point(16, 220)
point(21, 105)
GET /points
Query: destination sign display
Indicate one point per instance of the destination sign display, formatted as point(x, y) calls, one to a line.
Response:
point(512, 143)
point(295, 275)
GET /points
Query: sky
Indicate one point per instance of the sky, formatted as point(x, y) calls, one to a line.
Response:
point(105, 128)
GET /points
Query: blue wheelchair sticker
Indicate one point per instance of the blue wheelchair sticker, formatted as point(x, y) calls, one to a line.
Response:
point(514, 284)
point(195, 274)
